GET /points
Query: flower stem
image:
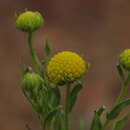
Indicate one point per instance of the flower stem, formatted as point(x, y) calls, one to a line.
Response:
point(35, 60)
point(66, 113)
point(123, 89)
point(125, 82)
point(122, 93)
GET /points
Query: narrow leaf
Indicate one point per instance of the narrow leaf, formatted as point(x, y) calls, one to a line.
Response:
point(57, 123)
point(47, 49)
point(82, 123)
point(96, 123)
point(50, 116)
point(57, 95)
point(74, 94)
point(117, 109)
point(100, 110)
point(119, 125)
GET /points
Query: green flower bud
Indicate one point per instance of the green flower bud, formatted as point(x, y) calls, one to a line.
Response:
point(31, 81)
point(29, 21)
point(124, 59)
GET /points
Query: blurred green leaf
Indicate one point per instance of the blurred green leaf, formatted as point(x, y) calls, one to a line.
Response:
point(57, 123)
point(47, 49)
point(50, 116)
point(57, 96)
point(82, 123)
point(96, 123)
point(74, 94)
point(100, 110)
point(119, 125)
point(117, 109)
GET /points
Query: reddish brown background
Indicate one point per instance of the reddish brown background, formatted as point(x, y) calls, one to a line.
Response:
point(97, 29)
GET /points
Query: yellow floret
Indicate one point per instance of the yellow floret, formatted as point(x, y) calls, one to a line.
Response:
point(66, 65)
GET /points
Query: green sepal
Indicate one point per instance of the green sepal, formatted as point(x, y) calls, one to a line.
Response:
point(119, 125)
point(96, 123)
point(73, 95)
point(117, 109)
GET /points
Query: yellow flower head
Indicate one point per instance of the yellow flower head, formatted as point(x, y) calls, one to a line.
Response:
point(124, 59)
point(64, 66)
point(29, 21)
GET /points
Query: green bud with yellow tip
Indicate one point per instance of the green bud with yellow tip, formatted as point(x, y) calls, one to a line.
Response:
point(124, 59)
point(29, 21)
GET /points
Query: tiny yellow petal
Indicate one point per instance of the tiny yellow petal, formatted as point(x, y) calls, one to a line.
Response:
point(66, 65)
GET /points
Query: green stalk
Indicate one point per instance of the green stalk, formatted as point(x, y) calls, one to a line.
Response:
point(125, 82)
point(35, 61)
point(123, 90)
point(122, 93)
point(66, 108)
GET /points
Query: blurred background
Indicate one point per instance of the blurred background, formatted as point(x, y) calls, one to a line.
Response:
point(96, 29)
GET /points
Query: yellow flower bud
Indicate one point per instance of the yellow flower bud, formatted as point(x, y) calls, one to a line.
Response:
point(64, 66)
point(29, 21)
point(124, 59)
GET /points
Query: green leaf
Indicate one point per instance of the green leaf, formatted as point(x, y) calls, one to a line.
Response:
point(96, 123)
point(100, 110)
point(47, 49)
point(57, 96)
point(117, 109)
point(57, 123)
point(82, 123)
point(50, 116)
point(74, 94)
point(119, 125)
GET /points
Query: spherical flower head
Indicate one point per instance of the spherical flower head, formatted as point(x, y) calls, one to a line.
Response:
point(29, 21)
point(124, 59)
point(31, 81)
point(66, 66)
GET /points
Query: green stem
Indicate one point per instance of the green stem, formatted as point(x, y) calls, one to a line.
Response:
point(66, 112)
point(119, 99)
point(35, 60)
point(123, 89)
point(122, 93)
